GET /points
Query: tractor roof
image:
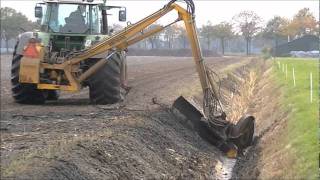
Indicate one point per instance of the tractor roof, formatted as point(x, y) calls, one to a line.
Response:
point(75, 1)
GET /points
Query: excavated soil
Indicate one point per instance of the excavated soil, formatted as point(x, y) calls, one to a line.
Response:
point(135, 139)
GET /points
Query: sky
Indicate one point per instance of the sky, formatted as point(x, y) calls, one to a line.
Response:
point(206, 10)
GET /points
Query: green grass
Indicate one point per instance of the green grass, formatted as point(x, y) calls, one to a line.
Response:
point(302, 138)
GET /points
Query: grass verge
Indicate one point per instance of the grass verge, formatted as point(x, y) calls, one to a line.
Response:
point(301, 138)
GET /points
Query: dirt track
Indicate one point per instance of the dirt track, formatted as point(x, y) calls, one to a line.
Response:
point(134, 139)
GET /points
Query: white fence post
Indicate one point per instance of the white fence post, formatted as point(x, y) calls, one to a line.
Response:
point(311, 87)
point(286, 71)
point(293, 77)
point(282, 67)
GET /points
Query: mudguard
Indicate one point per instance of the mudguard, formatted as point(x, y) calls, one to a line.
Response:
point(29, 70)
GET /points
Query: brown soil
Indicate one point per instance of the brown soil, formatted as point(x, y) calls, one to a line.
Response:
point(71, 139)
point(169, 52)
point(137, 139)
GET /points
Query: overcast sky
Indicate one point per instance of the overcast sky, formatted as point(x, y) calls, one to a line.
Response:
point(215, 11)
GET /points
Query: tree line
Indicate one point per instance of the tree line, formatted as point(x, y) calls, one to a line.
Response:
point(247, 25)
point(13, 23)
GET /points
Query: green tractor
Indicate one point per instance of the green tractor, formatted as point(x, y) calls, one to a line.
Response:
point(69, 26)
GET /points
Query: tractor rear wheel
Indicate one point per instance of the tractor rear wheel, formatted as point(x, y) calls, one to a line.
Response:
point(24, 93)
point(104, 85)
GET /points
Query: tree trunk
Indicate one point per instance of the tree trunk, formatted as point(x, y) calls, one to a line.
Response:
point(222, 45)
point(208, 44)
point(7, 45)
point(276, 46)
point(247, 50)
point(248, 45)
point(152, 44)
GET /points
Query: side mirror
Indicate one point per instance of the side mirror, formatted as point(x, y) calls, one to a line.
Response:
point(38, 12)
point(122, 15)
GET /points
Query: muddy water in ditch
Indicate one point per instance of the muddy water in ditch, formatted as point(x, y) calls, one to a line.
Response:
point(224, 168)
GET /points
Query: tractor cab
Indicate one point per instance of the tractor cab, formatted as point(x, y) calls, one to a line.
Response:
point(71, 18)
point(75, 16)
point(72, 25)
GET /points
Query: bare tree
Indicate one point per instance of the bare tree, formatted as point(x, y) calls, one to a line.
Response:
point(4, 38)
point(182, 36)
point(12, 22)
point(170, 33)
point(223, 31)
point(206, 33)
point(153, 40)
point(248, 24)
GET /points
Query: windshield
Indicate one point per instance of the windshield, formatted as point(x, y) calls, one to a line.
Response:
point(72, 18)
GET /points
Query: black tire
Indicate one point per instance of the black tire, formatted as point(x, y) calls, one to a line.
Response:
point(24, 93)
point(104, 85)
point(53, 95)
